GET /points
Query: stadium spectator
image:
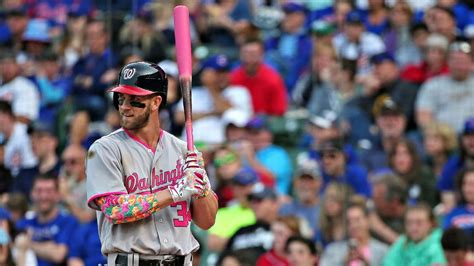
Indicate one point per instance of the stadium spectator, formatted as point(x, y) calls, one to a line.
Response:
point(306, 203)
point(17, 19)
point(20, 92)
point(48, 233)
point(332, 215)
point(335, 168)
point(261, 153)
point(292, 43)
point(387, 206)
point(266, 87)
point(360, 247)
point(437, 95)
point(463, 215)
point(434, 63)
point(215, 101)
point(18, 152)
point(301, 251)
point(283, 228)
point(44, 144)
point(465, 157)
point(456, 247)
point(440, 142)
point(405, 161)
point(264, 203)
point(421, 244)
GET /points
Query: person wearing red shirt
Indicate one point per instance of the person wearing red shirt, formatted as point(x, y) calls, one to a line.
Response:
point(266, 87)
point(435, 62)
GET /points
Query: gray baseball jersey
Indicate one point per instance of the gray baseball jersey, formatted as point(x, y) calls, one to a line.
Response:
point(120, 163)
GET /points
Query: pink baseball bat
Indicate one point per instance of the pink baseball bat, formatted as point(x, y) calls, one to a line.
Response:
point(183, 56)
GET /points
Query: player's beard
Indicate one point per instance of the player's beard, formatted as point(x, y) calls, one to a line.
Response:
point(138, 122)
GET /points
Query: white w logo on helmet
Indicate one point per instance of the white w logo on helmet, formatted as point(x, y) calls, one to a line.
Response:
point(128, 73)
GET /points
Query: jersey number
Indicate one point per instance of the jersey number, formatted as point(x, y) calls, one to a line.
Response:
point(183, 213)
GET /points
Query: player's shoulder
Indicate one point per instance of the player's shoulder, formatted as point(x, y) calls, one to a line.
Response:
point(168, 138)
point(112, 139)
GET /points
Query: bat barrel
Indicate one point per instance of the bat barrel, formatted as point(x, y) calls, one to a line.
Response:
point(185, 84)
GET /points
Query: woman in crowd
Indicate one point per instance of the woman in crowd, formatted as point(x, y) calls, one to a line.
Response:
point(332, 220)
point(463, 214)
point(283, 228)
point(440, 142)
point(405, 162)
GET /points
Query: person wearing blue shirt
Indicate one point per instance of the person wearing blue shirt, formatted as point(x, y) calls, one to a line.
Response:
point(462, 216)
point(86, 246)
point(336, 169)
point(269, 158)
point(447, 179)
point(292, 44)
point(48, 233)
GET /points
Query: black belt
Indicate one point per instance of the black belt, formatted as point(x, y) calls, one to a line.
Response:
point(122, 260)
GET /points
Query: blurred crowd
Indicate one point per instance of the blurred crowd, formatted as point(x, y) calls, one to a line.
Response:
point(335, 132)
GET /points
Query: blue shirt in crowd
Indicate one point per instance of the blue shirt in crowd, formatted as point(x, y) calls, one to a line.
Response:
point(86, 245)
point(355, 176)
point(277, 161)
point(451, 168)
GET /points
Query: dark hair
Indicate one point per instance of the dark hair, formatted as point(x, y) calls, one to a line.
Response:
point(299, 239)
point(418, 26)
point(460, 182)
point(396, 188)
point(454, 239)
point(350, 66)
point(6, 107)
point(415, 157)
point(46, 178)
point(446, 10)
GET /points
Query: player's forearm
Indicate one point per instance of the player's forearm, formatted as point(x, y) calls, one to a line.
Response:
point(205, 212)
point(50, 251)
point(129, 208)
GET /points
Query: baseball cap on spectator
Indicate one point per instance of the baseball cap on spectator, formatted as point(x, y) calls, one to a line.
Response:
point(235, 117)
point(468, 126)
point(41, 128)
point(354, 17)
point(217, 62)
point(245, 176)
point(326, 119)
point(37, 30)
point(170, 68)
point(292, 7)
point(258, 123)
point(310, 169)
point(331, 145)
point(385, 105)
point(322, 28)
point(261, 192)
point(436, 40)
point(382, 57)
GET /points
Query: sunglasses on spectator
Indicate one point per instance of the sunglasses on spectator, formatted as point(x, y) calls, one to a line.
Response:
point(225, 159)
point(463, 47)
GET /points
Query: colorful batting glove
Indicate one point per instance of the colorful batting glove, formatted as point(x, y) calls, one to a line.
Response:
point(183, 189)
point(194, 166)
point(194, 159)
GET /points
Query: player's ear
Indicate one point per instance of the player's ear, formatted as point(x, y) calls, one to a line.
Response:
point(156, 102)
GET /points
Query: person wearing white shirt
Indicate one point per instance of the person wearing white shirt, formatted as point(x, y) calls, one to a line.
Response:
point(18, 152)
point(215, 101)
point(18, 90)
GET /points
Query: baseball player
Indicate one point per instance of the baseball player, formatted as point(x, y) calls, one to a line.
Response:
point(142, 181)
